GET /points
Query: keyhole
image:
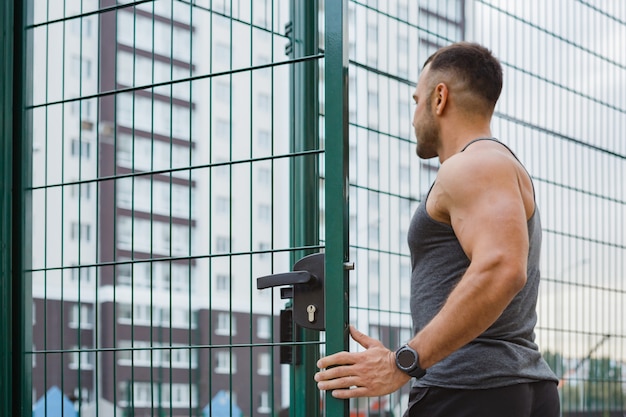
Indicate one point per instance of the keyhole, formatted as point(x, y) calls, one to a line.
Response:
point(311, 309)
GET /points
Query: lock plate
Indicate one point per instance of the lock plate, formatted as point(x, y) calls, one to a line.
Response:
point(311, 294)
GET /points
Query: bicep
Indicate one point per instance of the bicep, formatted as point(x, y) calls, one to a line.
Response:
point(489, 220)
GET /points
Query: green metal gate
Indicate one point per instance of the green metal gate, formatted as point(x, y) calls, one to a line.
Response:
point(176, 157)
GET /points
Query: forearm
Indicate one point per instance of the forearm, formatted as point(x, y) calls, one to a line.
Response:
point(475, 304)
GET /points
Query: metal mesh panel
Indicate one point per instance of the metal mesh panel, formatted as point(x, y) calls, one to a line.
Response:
point(561, 110)
point(161, 185)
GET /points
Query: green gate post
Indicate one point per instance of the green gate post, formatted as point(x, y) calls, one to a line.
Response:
point(305, 184)
point(336, 187)
point(6, 150)
point(15, 148)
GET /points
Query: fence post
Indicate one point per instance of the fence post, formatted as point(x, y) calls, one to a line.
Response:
point(304, 227)
point(15, 148)
point(6, 175)
point(336, 186)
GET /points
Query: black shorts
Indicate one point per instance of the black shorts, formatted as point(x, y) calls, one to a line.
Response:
point(537, 399)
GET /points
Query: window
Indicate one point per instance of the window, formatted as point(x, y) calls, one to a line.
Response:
point(405, 302)
point(124, 274)
point(404, 174)
point(222, 205)
point(180, 121)
point(226, 363)
point(265, 213)
point(222, 283)
point(405, 334)
point(264, 403)
point(373, 167)
point(373, 234)
point(403, 11)
point(166, 278)
point(183, 318)
point(264, 177)
point(140, 392)
point(125, 104)
point(372, 33)
point(82, 394)
point(264, 364)
point(263, 330)
point(82, 231)
point(264, 139)
point(264, 102)
point(81, 108)
point(374, 298)
point(81, 148)
point(124, 154)
point(403, 44)
point(222, 129)
point(222, 52)
point(84, 190)
point(180, 277)
point(264, 247)
point(82, 359)
point(124, 352)
point(83, 274)
point(179, 239)
point(374, 332)
point(81, 67)
point(124, 313)
point(372, 201)
point(404, 109)
point(86, 23)
point(222, 244)
point(222, 92)
point(226, 325)
point(372, 101)
point(155, 354)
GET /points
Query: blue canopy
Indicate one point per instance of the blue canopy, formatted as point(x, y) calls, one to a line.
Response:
point(221, 406)
point(57, 404)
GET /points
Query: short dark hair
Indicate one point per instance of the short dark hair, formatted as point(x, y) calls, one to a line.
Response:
point(475, 65)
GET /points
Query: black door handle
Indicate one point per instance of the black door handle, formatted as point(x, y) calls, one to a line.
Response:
point(287, 278)
point(307, 288)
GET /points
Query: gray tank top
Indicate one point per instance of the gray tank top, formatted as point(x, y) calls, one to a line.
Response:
point(504, 354)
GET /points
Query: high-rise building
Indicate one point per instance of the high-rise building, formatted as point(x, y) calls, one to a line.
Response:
point(140, 272)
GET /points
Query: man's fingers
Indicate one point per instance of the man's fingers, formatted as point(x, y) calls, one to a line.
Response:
point(345, 394)
point(332, 373)
point(339, 358)
point(338, 383)
point(361, 338)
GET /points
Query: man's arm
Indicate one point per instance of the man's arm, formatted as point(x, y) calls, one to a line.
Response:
point(480, 195)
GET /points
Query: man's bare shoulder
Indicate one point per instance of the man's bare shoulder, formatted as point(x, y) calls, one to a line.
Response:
point(481, 165)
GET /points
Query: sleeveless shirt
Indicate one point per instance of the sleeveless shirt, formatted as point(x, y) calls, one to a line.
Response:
point(506, 352)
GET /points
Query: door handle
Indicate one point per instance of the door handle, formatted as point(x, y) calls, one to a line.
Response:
point(306, 283)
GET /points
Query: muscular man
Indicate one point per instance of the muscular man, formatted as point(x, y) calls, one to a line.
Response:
point(475, 244)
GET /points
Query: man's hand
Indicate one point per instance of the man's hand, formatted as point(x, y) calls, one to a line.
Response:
point(370, 373)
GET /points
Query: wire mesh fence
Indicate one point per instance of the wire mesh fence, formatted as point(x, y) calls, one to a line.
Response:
point(162, 185)
point(161, 160)
point(561, 111)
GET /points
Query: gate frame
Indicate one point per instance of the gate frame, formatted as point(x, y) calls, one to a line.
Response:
point(15, 148)
point(336, 187)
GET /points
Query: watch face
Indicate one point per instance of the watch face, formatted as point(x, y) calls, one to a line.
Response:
point(406, 358)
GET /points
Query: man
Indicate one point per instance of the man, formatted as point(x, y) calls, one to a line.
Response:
point(475, 244)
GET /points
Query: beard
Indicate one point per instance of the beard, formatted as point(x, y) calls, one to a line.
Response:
point(427, 135)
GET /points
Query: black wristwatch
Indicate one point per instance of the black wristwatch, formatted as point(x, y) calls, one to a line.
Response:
point(407, 360)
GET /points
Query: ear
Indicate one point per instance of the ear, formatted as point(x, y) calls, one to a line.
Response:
point(440, 98)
